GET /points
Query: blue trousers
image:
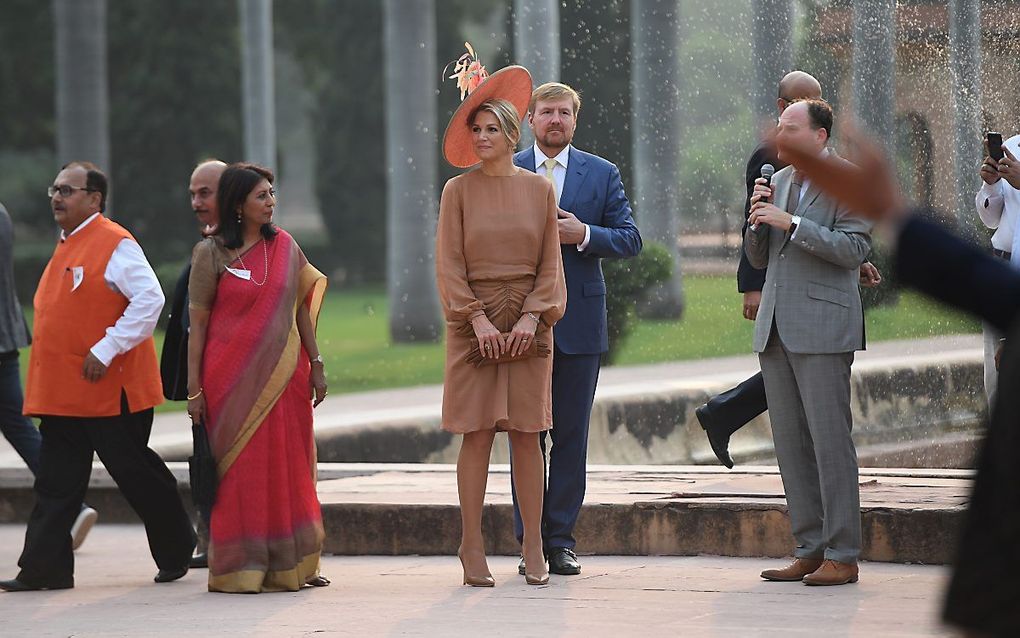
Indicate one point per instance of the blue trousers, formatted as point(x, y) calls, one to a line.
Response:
point(573, 391)
point(18, 429)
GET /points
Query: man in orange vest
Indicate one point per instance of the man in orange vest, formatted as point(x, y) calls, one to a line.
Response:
point(93, 381)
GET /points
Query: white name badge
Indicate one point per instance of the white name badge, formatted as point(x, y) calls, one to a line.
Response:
point(77, 276)
point(240, 273)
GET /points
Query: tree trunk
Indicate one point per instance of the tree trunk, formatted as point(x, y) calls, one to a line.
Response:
point(257, 86)
point(537, 44)
point(772, 52)
point(83, 104)
point(655, 88)
point(965, 58)
point(874, 68)
point(411, 145)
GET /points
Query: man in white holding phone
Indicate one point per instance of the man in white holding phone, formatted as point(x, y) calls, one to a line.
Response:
point(998, 206)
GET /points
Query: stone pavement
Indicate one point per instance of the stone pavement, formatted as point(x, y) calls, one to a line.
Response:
point(421, 596)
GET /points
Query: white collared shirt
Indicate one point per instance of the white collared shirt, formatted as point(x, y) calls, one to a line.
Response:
point(128, 273)
point(559, 178)
point(804, 186)
point(998, 206)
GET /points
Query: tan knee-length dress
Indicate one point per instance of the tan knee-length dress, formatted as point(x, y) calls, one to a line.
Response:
point(498, 254)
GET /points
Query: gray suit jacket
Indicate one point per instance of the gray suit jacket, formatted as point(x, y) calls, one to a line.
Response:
point(14, 332)
point(811, 289)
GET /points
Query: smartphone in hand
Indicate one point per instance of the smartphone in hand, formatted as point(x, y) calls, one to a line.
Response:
point(994, 141)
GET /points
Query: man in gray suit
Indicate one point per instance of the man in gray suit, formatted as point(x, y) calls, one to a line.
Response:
point(809, 325)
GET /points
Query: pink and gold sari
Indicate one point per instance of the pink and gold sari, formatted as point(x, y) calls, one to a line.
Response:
point(266, 531)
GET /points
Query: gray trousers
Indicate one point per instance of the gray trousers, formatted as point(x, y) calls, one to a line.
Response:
point(809, 407)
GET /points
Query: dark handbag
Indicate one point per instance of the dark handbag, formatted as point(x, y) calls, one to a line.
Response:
point(202, 469)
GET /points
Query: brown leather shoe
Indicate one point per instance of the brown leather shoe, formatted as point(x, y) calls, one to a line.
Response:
point(798, 569)
point(833, 572)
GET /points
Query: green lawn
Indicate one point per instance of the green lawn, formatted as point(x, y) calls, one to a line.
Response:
point(359, 355)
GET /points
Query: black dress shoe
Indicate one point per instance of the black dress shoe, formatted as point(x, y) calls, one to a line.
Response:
point(169, 575)
point(720, 442)
point(563, 561)
point(16, 585)
point(199, 561)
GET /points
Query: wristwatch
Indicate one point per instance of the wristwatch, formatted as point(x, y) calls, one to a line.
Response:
point(318, 359)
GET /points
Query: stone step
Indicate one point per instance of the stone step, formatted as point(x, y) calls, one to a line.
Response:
point(909, 516)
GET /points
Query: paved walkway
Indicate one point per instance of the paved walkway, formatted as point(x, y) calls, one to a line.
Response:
point(421, 596)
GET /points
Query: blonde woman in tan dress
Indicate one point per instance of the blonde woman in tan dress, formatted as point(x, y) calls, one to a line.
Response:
point(500, 277)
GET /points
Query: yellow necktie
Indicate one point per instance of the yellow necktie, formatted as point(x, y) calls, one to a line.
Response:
point(550, 164)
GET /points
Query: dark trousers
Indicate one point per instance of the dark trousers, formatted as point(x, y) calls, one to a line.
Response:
point(573, 391)
point(68, 444)
point(733, 409)
point(18, 429)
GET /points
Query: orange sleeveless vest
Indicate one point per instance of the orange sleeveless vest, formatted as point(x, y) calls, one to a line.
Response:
point(69, 322)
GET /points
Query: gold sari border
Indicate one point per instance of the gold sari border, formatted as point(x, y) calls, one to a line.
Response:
point(253, 581)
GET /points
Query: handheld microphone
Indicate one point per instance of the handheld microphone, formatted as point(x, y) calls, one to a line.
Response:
point(767, 171)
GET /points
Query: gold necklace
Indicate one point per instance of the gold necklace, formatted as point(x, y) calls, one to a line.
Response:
point(265, 253)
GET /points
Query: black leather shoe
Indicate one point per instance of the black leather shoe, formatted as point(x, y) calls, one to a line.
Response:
point(563, 561)
point(14, 585)
point(169, 575)
point(199, 561)
point(720, 442)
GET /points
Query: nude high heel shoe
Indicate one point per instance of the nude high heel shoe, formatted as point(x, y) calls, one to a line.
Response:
point(475, 581)
point(536, 577)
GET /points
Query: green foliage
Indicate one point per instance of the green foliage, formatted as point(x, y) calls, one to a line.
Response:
point(626, 283)
point(175, 99)
point(174, 85)
point(340, 48)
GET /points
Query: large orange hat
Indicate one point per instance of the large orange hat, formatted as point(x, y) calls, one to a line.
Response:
point(512, 83)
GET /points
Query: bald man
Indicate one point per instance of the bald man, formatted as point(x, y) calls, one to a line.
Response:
point(726, 413)
point(174, 361)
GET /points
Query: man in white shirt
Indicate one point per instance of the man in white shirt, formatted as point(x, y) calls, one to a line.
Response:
point(93, 381)
point(998, 206)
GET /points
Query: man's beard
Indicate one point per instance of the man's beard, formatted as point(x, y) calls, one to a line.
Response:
point(547, 140)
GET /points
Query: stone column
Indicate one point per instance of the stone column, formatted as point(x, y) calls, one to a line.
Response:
point(257, 86)
point(965, 59)
point(537, 44)
point(411, 154)
point(874, 67)
point(656, 130)
point(82, 93)
point(771, 51)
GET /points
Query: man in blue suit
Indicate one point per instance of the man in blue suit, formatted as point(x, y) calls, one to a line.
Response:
point(595, 222)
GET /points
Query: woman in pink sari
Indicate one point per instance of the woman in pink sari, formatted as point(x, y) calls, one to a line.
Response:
point(253, 371)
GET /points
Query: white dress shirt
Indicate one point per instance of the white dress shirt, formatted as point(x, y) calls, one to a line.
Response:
point(804, 186)
point(128, 273)
point(559, 177)
point(998, 206)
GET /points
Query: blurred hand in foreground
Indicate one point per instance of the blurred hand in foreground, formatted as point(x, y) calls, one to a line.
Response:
point(867, 187)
